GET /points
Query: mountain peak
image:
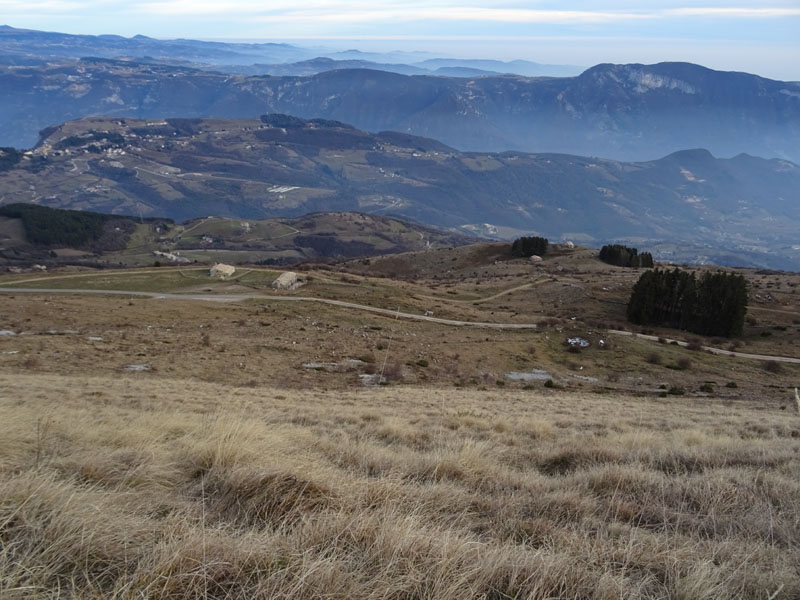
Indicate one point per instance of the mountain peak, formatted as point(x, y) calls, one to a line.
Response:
point(692, 154)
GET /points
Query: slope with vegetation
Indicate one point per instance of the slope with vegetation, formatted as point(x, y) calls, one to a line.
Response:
point(73, 228)
point(134, 487)
point(174, 447)
point(56, 237)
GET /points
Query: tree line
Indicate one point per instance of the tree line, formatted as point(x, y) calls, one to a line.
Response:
point(528, 246)
point(72, 228)
point(714, 304)
point(623, 256)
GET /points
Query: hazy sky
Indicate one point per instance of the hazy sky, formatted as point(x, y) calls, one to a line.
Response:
point(759, 37)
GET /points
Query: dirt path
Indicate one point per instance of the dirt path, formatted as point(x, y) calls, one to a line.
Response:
point(786, 359)
point(242, 297)
point(524, 286)
point(775, 310)
point(93, 274)
point(372, 309)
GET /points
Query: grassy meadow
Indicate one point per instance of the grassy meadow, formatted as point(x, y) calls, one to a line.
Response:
point(137, 487)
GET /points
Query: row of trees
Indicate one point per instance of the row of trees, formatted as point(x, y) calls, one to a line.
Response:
point(53, 227)
point(622, 256)
point(715, 304)
point(528, 246)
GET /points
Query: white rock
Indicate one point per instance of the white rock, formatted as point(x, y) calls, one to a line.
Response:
point(222, 271)
point(286, 281)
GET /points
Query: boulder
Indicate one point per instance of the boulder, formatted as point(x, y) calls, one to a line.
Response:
point(221, 271)
point(286, 281)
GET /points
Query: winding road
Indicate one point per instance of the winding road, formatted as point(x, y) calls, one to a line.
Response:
point(372, 309)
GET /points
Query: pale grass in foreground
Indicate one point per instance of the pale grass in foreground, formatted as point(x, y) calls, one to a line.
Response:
point(142, 488)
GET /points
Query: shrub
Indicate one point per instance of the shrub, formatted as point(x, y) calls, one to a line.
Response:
point(422, 362)
point(731, 384)
point(707, 388)
point(549, 384)
point(684, 364)
point(653, 359)
point(694, 344)
point(676, 391)
point(772, 366)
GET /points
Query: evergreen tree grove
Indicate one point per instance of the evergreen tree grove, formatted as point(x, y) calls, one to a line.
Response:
point(622, 256)
point(713, 305)
point(528, 246)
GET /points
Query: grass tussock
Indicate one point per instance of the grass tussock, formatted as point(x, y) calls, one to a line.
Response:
point(129, 488)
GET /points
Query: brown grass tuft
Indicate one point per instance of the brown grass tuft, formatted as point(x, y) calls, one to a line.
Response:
point(134, 488)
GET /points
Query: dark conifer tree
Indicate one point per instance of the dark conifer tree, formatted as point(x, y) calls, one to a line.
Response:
point(715, 305)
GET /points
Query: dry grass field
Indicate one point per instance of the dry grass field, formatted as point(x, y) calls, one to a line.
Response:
point(154, 447)
point(133, 487)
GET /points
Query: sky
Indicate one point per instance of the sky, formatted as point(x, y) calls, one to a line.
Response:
point(757, 37)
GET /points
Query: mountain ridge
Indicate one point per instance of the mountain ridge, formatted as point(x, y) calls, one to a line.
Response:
point(282, 166)
point(623, 112)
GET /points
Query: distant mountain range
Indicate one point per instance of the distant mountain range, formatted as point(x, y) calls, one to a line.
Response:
point(24, 46)
point(688, 206)
point(625, 112)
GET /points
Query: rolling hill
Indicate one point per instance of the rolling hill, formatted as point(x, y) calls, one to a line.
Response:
point(37, 234)
point(700, 208)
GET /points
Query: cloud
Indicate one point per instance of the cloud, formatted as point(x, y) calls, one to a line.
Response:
point(364, 11)
point(455, 14)
point(748, 13)
point(361, 11)
point(34, 6)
